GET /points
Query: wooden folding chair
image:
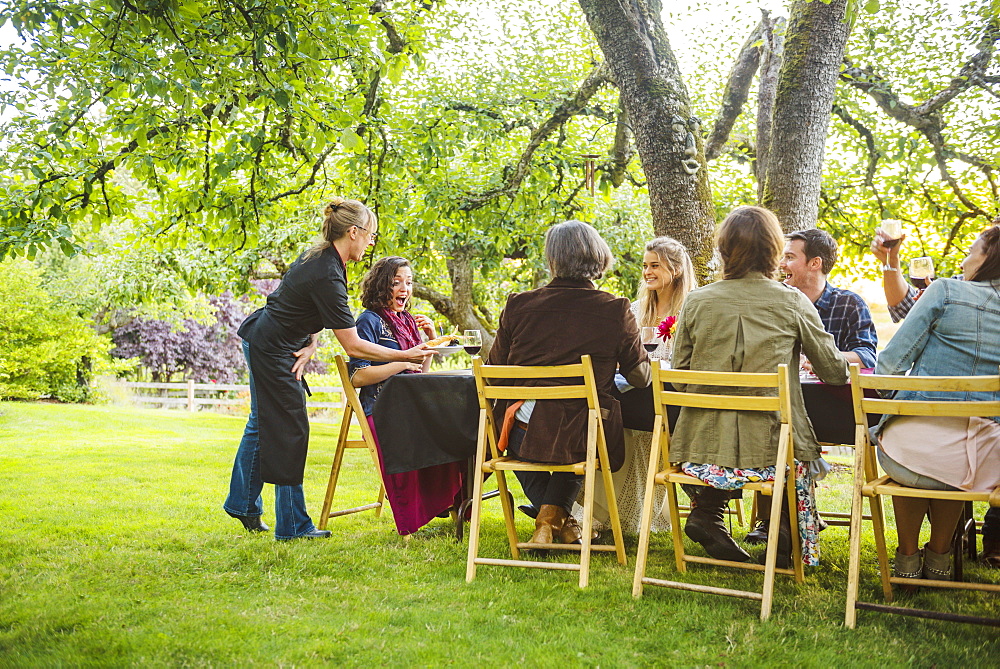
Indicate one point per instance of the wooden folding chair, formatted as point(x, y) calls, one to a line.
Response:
point(662, 471)
point(352, 410)
point(489, 460)
point(868, 483)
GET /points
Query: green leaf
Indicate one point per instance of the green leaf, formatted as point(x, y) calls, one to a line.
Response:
point(872, 6)
point(350, 139)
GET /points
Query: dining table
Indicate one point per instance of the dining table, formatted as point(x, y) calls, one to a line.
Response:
point(423, 420)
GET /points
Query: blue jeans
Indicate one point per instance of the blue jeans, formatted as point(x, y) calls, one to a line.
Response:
point(291, 518)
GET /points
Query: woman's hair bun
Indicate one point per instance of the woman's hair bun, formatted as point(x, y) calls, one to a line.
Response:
point(334, 203)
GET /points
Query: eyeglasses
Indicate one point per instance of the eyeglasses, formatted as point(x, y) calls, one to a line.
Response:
point(374, 235)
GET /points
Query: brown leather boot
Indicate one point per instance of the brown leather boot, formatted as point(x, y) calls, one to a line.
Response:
point(572, 532)
point(549, 522)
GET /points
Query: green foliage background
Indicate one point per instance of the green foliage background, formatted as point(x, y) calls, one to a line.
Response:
point(179, 148)
point(46, 348)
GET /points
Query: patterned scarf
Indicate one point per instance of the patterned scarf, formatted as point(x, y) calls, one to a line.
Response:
point(403, 327)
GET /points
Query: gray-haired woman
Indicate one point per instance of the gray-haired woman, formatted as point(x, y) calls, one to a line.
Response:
point(555, 325)
point(278, 341)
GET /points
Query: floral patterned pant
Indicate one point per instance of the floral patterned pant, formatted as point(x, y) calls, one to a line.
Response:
point(729, 478)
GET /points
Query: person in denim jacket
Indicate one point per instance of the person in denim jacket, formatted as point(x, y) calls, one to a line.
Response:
point(952, 330)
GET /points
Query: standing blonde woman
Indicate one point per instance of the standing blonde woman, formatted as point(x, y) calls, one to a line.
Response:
point(667, 278)
point(278, 341)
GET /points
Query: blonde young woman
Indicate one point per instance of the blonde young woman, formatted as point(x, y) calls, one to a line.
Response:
point(667, 278)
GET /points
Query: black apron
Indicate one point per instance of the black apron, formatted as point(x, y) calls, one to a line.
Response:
point(281, 399)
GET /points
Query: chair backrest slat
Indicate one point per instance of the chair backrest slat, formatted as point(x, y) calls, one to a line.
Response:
point(728, 402)
point(669, 377)
point(487, 390)
point(779, 404)
point(922, 408)
point(516, 372)
point(726, 379)
point(534, 392)
point(934, 384)
point(983, 384)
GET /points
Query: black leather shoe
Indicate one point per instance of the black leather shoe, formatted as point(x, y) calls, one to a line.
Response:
point(528, 510)
point(717, 542)
point(784, 558)
point(704, 525)
point(758, 535)
point(250, 523)
point(313, 534)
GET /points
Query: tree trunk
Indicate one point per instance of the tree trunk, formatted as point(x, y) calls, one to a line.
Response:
point(459, 308)
point(814, 50)
point(770, 66)
point(667, 136)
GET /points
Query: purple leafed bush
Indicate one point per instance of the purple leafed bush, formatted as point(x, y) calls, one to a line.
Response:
point(202, 352)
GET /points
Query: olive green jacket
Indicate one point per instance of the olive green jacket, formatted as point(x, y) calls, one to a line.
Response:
point(751, 324)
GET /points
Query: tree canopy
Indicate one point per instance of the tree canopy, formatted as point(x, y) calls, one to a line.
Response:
point(191, 145)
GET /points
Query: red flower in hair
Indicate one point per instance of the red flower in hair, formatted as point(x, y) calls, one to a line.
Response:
point(667, 327)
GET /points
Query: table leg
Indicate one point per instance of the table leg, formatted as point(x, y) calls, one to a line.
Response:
point(468, 488)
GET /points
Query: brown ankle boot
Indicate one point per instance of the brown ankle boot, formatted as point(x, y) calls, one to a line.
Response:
point(572, 532)
point(549, 522)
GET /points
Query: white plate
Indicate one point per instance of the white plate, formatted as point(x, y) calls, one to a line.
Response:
point(446, 350)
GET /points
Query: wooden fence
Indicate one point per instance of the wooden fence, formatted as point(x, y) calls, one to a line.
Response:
point(191, 395)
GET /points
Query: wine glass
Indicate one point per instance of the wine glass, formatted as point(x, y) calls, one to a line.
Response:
point(648, 337)
point(893, 231)
point(921, 272)
point(472, 340)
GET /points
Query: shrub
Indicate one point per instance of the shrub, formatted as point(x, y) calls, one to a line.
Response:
point(46, 349)
point(202, 351)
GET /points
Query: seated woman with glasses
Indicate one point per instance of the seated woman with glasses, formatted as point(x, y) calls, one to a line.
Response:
point(416, 496)
point(556, 325)
point(748, 322)
point(952, 330)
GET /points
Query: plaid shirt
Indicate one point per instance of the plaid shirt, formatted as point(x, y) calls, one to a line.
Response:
point(846, 316)
point(899, 311)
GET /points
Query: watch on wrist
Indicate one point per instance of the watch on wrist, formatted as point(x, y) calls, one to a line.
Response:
point(889, 268)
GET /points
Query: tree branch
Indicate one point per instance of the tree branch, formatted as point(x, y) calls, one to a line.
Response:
point(966, 77)
point(441, 302)
point(926, 118)
point(571, 106)
point(873, 154)
point(312, 176)
point(737, 90)
point(879, 90)
point(623, 150)
point(490, 113)
point(772, 55)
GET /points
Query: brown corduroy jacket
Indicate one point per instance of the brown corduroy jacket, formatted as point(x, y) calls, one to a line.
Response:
point(555, 325)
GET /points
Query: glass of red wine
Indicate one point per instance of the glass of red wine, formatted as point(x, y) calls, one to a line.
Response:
point(893, 231)
point(921, 272)
point(648, 337)
point(472, 340)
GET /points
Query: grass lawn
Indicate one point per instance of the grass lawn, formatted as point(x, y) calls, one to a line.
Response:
point(114, 550)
